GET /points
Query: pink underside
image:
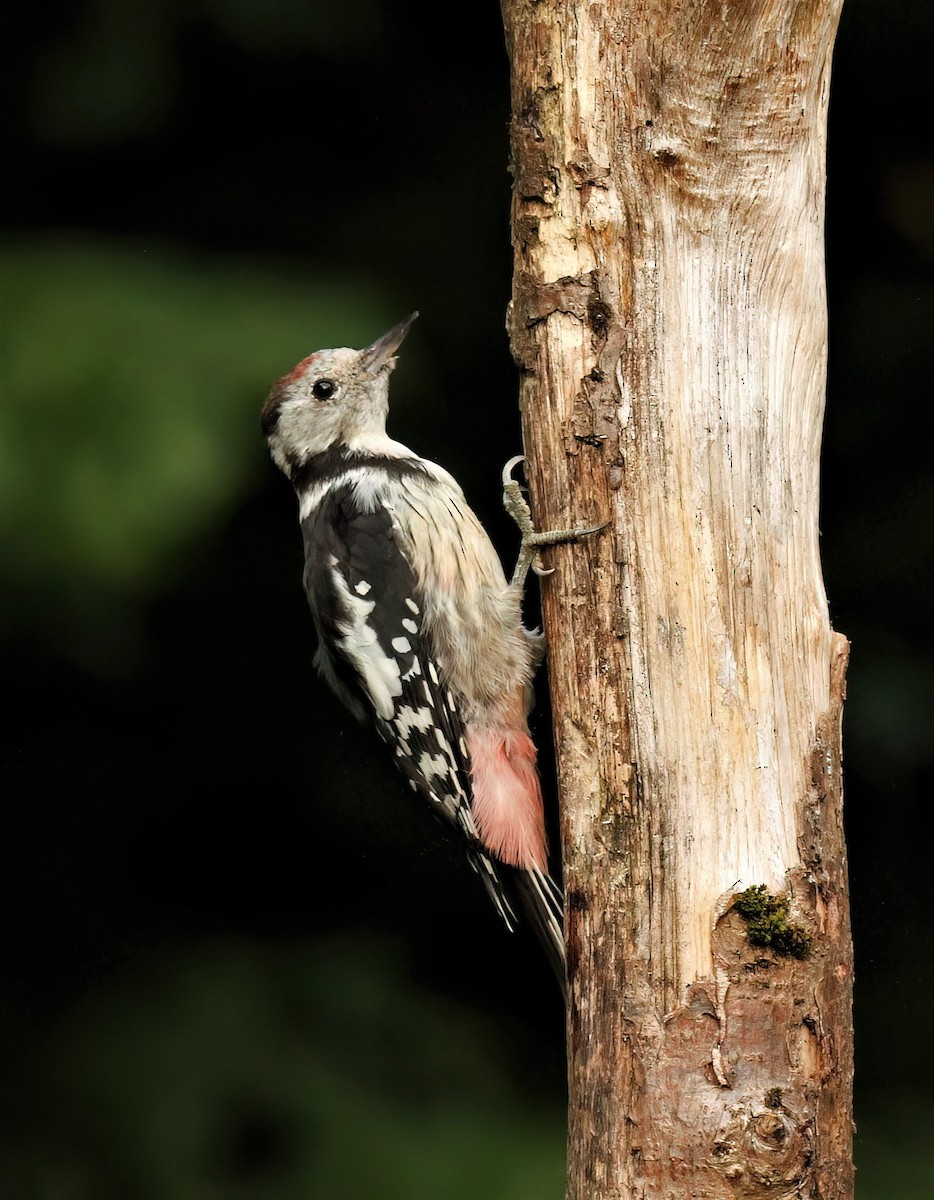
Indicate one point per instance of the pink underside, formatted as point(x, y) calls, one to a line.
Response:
point(507, 796)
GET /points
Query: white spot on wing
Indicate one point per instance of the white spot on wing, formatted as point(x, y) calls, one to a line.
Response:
point(380, 673)
point(401, 645)
point(362, 588)
point(408, 718)
point(433, 766)
point(409, 625)
point(412, 606)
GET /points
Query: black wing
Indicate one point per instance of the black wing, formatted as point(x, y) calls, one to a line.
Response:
point(370, 616)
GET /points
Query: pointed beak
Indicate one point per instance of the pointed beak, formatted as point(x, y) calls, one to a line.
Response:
point(375, 357)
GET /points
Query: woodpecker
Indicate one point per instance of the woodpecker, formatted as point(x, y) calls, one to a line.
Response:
point(418, 629)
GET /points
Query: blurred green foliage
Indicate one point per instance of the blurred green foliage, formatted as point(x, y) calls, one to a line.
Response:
point(235, 1070)
point(132, 381)
point(298, 1071)
point(893, 1146)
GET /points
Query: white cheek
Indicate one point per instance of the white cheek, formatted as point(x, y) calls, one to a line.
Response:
point(277, 451)
point(308, 428)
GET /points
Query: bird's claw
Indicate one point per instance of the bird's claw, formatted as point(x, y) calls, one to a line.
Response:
point(510, 467)
point(532, 542)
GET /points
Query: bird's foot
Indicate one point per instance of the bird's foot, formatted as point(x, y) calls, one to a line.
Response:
point(530, 557)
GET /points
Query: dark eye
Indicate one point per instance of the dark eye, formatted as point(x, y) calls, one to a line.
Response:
point(323, 389)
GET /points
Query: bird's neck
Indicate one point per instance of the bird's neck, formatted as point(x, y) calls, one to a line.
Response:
point(317, 471)
point(375, 444)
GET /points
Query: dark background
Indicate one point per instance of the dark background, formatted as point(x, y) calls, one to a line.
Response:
point(236, 962)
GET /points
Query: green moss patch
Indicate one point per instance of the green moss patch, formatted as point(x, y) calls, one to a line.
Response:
point(767, 923)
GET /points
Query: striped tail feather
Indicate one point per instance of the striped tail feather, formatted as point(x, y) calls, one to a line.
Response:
point(543, 904)
point(490, 875)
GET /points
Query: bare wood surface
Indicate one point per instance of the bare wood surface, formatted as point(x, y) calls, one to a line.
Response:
point(668, 318)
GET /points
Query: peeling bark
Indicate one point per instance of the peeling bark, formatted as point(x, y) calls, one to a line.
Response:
point(668, 319)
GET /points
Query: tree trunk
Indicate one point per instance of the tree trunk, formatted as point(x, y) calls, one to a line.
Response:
point(669, 321)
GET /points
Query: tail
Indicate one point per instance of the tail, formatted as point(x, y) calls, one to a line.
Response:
point(543, 904)
point(506, 805)
point(541, 901)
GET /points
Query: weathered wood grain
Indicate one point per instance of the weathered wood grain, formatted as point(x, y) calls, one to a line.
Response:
point(668, 319)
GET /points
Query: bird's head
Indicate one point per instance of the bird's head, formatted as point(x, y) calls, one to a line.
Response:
point(335, 398)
